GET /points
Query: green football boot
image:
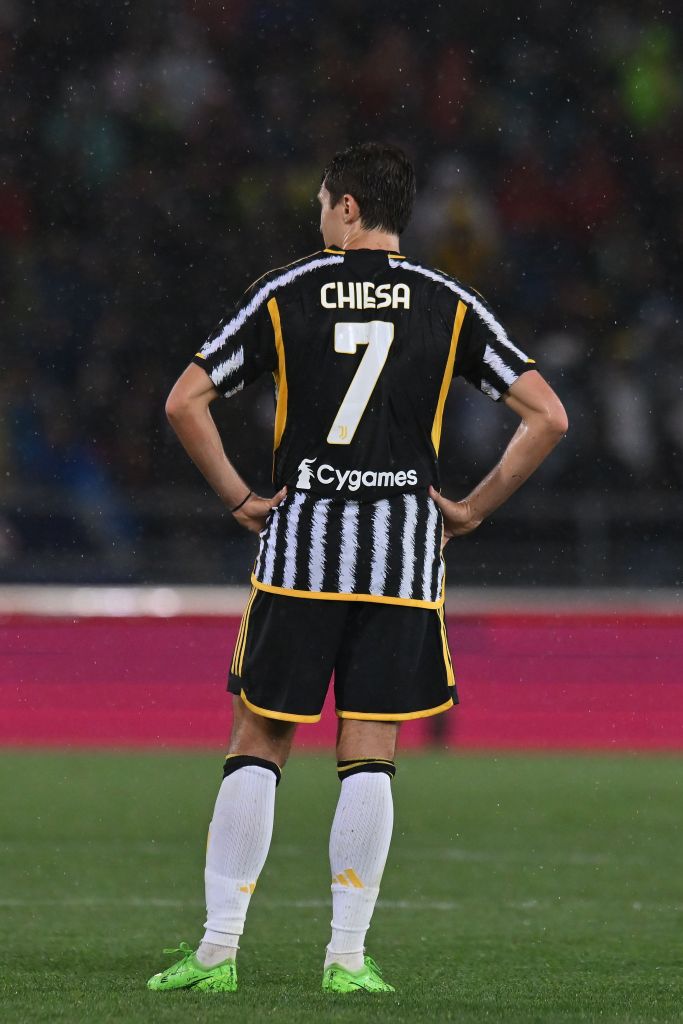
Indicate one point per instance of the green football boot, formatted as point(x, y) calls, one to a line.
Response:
point(368, 979)
point(189, 973)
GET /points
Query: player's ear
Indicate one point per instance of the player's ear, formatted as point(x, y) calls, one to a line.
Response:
point(351, 209)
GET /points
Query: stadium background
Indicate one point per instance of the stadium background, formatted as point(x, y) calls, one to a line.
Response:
point(159, 157)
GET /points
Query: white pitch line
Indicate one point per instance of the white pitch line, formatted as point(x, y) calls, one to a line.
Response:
point(577, 858)
point(151, 901)
point(459, 854)
point(443, 906)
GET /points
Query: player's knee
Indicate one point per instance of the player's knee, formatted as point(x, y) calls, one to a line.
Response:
point(354, 766)
point(234, 762)
point(357, 739)
point(259, 736)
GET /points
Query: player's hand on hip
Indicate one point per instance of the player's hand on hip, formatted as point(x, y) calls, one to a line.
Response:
point(459, 517)
point(255, 511)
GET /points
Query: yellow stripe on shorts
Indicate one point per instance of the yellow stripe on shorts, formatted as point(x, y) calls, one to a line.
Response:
point(446, 651)
point(238, 655)
point(247, 613)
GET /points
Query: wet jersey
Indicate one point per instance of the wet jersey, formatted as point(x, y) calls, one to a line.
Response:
point(363, 346)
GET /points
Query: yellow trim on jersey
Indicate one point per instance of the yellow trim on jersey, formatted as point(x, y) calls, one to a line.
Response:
point(198, 355)
point(329, 596)
point(446, 650)
point(447, 375)
point(336, 252)
point(280, 375)
point(405, 716)
point(238, 655)
point(282, 716)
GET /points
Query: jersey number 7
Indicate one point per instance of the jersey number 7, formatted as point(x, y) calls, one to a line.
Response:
point(378, 336)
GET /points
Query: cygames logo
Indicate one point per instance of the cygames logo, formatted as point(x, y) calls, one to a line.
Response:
point(352, 479)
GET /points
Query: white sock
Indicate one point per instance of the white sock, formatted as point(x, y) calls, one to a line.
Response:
point(359, 844)
point(210, 954)
point(239, 839)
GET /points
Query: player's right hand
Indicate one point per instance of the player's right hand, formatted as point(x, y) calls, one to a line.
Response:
point(458, 516)
point(255, 511)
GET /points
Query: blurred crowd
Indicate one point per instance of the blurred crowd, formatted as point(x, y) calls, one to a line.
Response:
point(160, 156)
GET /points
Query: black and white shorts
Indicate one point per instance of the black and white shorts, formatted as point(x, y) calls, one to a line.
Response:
point(390, 662)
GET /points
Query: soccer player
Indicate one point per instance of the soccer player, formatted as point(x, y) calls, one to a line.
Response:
point(363, 343)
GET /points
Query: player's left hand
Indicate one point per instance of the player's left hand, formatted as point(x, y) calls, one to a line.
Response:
point(254, 513)
point(459, 517)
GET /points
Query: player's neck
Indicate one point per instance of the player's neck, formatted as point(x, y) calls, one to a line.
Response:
point(359, 238)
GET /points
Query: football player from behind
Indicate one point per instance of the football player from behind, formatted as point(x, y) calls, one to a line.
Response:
point(363, 343)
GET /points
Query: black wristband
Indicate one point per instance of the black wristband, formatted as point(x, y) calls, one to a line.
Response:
point(238, 507)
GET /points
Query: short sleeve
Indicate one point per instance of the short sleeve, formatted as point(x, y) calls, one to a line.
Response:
point(243, 346)
point(486, 355)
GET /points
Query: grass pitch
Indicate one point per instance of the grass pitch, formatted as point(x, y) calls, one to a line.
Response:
point(518, 890)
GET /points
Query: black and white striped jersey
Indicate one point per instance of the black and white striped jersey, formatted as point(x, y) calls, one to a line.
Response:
point(387, 550)
point(363, 346)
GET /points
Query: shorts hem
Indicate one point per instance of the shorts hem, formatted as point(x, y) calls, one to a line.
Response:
point(403, 716)
point(282, 716)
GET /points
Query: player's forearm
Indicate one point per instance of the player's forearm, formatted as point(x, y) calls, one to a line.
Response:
point(197, 432)
point(533, 441)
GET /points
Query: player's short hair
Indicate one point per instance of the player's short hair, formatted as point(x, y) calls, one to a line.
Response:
point(381, 179)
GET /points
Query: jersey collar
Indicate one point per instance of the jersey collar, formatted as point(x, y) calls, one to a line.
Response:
point(343, 252)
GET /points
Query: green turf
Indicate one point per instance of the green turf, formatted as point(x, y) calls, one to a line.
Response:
point(518, 889)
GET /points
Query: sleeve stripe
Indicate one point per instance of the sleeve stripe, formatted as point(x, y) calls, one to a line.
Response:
point(489, 390)
point(501, 369)
point(478, 307)
point(223, 370)
point(261, 295)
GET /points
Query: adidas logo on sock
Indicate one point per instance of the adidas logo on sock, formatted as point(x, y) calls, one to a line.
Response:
point(348, 877)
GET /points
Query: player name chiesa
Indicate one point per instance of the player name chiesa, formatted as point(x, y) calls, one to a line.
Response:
point(364, 295)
